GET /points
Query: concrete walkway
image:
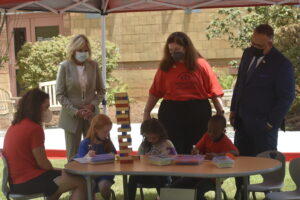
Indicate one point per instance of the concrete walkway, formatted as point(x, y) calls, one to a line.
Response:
point(288, 142)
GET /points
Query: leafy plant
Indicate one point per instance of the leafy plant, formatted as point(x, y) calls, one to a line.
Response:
point(39, 61)
point(3, 50)
point(288, 41)
point(236, 26)
point(227, 81)
point(234, 63)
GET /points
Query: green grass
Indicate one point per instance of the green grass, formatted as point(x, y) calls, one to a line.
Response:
point(150, 194)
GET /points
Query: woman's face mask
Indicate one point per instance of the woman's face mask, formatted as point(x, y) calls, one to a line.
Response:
point(177, 56)
point(177, 51)
point(46, 116)
point(81, 56)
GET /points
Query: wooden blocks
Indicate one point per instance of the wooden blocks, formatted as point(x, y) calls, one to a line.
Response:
point(123, 118)
point(124, 129)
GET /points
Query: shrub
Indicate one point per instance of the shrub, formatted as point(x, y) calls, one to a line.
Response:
point(288, 42)
point(39, 61)
point(227, 81)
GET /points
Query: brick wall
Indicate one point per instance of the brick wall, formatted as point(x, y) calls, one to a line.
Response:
point(141, 36)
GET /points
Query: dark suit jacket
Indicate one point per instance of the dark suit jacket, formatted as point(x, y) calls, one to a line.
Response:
point(268, 93)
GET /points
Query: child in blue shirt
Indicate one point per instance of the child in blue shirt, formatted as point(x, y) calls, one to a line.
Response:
point(97, 142)
point(155, 143)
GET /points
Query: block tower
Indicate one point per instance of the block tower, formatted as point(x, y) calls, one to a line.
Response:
point(123, 118)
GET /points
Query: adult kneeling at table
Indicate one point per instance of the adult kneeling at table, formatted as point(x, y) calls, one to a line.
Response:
point(30, 170)
point(185, 81)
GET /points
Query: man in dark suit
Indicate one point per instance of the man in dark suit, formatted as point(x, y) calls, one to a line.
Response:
point(263, 94)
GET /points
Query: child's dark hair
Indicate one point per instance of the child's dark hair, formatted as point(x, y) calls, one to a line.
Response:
point(219, 119)
point(152, 126)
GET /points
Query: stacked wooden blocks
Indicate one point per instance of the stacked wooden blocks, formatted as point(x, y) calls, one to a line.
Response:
point(123, 118)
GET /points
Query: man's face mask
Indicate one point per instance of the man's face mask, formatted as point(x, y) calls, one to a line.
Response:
point(177, 56)
point(257, 52)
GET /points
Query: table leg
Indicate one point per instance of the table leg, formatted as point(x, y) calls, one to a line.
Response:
point(245, 187)
point(125, 187)
point(218, 189)
point(89, 187)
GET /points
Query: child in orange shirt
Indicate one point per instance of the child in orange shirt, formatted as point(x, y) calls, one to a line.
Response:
point(213, 143)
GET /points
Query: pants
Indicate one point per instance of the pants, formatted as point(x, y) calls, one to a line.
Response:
point(104, 187)
point(73, 139)
point(202, 185)
point(43, 183)
point(251, 140)
point(147, 182)
point(185, 122)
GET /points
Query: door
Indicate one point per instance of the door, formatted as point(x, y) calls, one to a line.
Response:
point(30, 27)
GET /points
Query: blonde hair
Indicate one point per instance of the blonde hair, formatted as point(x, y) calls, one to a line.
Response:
point(98, 122)
point(78, 42)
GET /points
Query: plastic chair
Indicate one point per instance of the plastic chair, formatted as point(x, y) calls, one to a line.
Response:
point(290, 195)
point(6, 103)
point(271, 181)
point(6, 189)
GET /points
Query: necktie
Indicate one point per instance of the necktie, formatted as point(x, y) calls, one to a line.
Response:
point(252, 68)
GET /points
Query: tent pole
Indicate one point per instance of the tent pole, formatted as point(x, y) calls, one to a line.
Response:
point(103, 52)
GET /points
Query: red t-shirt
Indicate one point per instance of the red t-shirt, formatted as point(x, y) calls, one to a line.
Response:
point(207, 145)
point(179, 84)
point(19, 142)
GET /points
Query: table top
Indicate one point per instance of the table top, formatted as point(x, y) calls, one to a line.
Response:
point(243, 166)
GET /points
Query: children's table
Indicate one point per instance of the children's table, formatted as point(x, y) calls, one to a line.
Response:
point(243, 167)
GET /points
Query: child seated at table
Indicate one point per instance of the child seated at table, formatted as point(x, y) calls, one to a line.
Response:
point(155, 142)
point(97, 142)
point(213, 143)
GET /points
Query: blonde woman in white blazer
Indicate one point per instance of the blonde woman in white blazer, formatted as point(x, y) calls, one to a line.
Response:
point(79, 89)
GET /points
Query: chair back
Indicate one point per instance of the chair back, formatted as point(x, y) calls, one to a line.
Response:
point(5, 177)
point(278, 175)
point(295, 172)
point(6, 104)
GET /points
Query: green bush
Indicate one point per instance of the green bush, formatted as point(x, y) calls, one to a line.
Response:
point(288, 42)
point(236, 26)
point(227, 81)
point(39, 61)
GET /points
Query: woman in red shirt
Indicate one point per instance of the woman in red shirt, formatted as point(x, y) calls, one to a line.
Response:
point(185, 81)
point(29, 168)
